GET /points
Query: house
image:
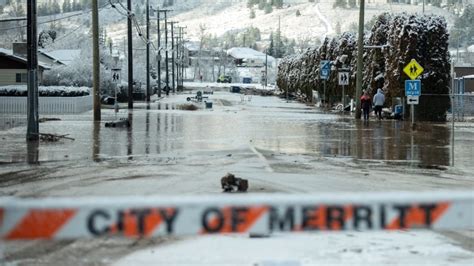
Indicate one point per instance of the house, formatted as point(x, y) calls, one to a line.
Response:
point(247, 57)
point(58, 57)
point(13, 66)
point(251, 65)
point(468, 73)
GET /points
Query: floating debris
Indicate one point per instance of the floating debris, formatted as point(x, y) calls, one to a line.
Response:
point(230, 183)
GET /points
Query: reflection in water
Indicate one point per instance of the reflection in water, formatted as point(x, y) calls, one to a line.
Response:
point(130, 136)
point(32, 153)
point(292, 133)
point(147, 131)
point(387, 140)
point(96, 141)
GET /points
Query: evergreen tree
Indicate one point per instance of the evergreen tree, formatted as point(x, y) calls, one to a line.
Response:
point(464, 27)
point(67, 6)
point(340, 3)
point(139, 14)
point(268, 8)
point(271, 47)
point(55, 8)
point(251, 3)
point(352, 3)
point(252, 14)
point(261, 4)
point(277, 3)
point(298, 13)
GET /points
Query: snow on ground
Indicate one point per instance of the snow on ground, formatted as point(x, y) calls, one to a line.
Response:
point(328, 248)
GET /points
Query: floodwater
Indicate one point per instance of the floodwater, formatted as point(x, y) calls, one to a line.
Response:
point(271, 124)
point(277, 146)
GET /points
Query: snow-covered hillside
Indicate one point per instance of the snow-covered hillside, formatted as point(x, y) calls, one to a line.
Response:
point(311, 24)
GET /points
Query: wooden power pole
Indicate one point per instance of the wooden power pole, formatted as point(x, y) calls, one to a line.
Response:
point(32, 131)
point(95, 60)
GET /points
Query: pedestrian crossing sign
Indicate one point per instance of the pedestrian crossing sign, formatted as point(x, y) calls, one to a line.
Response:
point(413, 69)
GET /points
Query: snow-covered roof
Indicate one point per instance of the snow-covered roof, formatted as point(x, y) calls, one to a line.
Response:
point(64, 56)
point(469, 77)
point(192, 46)
point(247, 53)
point(9, 53)
point(470, 48)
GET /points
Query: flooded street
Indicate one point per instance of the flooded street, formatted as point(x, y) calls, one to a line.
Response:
point(277, 146)
point(235, 130)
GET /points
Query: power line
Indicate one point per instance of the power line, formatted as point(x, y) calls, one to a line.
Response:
point(54, 20)
point(128, 13)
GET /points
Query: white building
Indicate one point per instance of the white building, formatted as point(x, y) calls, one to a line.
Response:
point(251, 65)
point(247, 57)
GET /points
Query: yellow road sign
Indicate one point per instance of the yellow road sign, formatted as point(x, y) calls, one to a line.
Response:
point(413, 69)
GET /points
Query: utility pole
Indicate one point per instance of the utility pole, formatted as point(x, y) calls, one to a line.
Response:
point(266, 68)
point(147, 51)
point(178, 67)
point(130, 54)
point(360, 54)
point(95, 61)
point(181, 56)
point(158, 11)
point(166, 59)
point(172, 23)
point(159, 50)
point(32, 131)
point(423, 6)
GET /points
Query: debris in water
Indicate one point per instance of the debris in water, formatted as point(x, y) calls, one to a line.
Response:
point(188, 107)
point(230, 183)
point(45, 119)
point(123, 122)
point(52, 137)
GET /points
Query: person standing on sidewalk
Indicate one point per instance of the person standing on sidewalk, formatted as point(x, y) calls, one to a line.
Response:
point(366, 103)
point(379, 100)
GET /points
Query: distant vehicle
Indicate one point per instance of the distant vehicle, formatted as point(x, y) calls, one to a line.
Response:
point(224, 79)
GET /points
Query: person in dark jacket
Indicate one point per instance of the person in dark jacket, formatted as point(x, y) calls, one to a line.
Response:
point(366, 104)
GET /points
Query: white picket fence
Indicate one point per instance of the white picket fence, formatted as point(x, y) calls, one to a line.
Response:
point(47, 105)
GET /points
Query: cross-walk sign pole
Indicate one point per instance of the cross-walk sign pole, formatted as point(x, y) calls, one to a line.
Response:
point(324, 94)
point(413, 86)
point(342, 100)
point(343, 81)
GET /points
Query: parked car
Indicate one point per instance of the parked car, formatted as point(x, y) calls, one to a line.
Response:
point(224, 79)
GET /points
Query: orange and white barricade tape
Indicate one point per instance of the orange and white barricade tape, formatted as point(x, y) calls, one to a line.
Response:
point(70, 218)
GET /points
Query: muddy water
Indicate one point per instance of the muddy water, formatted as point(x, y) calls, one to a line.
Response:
point(162, 130)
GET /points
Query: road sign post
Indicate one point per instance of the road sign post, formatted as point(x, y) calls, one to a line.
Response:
point(325, 70)
point(343, 81)
point(413, 87)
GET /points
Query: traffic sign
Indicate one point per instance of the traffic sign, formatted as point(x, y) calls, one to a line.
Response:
point(412, 87)
point(325, 69)
point(343, 78)
point(413, 69)
point(413, 99)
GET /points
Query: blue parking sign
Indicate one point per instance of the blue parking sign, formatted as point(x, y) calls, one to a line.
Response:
point(412, 87)
point(325, 69)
